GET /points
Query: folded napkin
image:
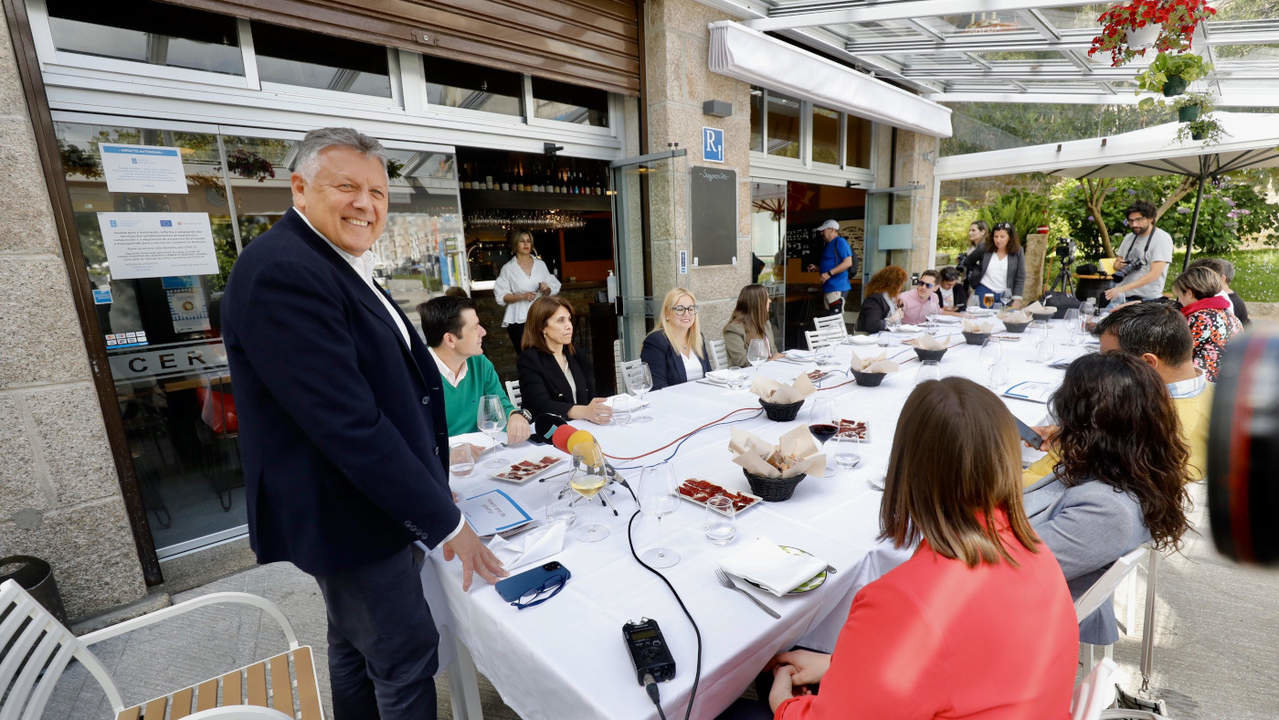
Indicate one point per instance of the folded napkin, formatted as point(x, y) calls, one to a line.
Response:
point(800, 354)
point(907, 328)
point(724, 377)
point(763, 562)
point(1015, 316)
point(1037, 308)
point(928, 342)
point(861, 339)
point(977, 327)
point(626, 403)
point(877, 364)
point(948, 319)
point(795, 450)
point(529, 547)
point(774, 392)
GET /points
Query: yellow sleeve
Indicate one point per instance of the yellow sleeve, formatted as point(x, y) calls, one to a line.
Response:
point(1038, 469)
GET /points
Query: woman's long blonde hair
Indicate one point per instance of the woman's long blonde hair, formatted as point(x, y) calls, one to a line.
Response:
point(694, 332)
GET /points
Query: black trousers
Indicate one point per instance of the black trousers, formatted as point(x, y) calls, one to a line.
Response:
point(516, 332)
point(382, 640)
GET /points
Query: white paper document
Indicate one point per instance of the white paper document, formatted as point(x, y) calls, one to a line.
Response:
point(493, 512)
point(1034, 391)
point(158, 244)
point(143, 169)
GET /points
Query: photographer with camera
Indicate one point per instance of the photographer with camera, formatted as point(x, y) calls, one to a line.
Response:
point(1143, 258)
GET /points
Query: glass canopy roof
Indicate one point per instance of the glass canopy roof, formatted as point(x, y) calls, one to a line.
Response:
point(1018, 50)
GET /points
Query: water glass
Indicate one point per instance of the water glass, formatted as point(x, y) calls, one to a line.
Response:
point(928, 370)
point(559, 502)
point(1045, 349)
point(845, 453)
point(461, 460)
point(721, 525)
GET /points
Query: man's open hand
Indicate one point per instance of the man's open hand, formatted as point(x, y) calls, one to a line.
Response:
point(475, 557)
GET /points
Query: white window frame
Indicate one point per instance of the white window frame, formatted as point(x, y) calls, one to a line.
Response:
point(530, 115)
point(778, 168)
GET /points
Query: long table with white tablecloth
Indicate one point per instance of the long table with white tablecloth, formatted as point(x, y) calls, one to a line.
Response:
point(566, 658)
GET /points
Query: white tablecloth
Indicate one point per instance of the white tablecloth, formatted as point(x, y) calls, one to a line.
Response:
point(566, 658)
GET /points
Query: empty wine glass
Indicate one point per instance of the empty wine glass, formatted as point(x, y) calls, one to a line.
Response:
point(639, 380)
point(490, 417)
point(1006, 297)
point(757, 352)
point(657, 498)
point(1072, 326)
point(991, 355)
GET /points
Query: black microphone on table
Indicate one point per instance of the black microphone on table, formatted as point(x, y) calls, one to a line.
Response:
point(1243, 450)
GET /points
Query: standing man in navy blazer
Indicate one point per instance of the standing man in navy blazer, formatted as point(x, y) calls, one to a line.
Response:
point(342, 429)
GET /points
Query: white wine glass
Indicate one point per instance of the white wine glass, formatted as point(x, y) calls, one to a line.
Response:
point(639, 380)
point(657, 499)
point(991, 355)
point(1072, 326)
point(1006, 297)
point(587, 481)
point(490, 417)
point(757, 352)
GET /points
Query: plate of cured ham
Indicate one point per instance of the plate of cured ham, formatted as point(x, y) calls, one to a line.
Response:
point(699, 491)
point(857, 429)
point(527, 469)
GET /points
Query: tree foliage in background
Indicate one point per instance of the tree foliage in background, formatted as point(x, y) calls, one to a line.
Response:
point(1026, 210)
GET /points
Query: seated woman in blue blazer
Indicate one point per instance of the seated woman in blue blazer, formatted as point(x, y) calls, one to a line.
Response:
point(675, 351)
point(1120, 480)
point(554, 380)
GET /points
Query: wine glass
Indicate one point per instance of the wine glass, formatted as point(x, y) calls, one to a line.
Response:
point(757, 352)
point(1006, 297)
point(1072, 326)
point(639, 380)
point(491, 418)
point(587, 479)
point(823, 421)
point(991, 355)
point(657, 498)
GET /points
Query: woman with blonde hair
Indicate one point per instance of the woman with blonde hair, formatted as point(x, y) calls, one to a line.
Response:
point(675, 351)
point(880, 304)
point(749, 322)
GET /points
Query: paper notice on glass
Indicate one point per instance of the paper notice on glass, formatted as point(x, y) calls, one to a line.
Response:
point(493, 512)
point(158, 244)
point(187, 308)
point(143, 169)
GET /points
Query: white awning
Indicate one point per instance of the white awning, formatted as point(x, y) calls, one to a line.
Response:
point(753, 57)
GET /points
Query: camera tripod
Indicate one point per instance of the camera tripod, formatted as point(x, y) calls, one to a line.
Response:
point(1063, 280)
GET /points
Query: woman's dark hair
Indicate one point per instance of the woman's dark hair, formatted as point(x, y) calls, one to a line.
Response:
point(752, 311)
point(539, 314)
point(954, 464)
point(983, 227)
point(1014, 244)
point(889, 279)
point(1119, 426)
point(514, 235)
point(949, 274)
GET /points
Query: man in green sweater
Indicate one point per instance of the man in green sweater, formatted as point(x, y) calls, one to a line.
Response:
point(456, 338)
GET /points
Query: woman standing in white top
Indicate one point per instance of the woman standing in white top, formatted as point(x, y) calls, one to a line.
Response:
point(523, 279)
point(1003, 265)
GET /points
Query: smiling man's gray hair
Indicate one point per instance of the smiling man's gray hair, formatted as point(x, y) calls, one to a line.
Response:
point(308, 158)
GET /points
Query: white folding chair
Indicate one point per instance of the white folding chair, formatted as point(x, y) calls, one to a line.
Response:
point(816, 340)
point(719, 355)
point(617, 366)
point(1100, 591)
point(1095, 692)
point(513, 392)
point(623, 369)
point(831, 325)
point(35, 649)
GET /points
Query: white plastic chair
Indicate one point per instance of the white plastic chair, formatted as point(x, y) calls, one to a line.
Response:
point(719, 355)
point(623, 369)
point(831, 325)
point(617, 366)
point(513, 392)
point(816, 340)
point(1095, 692)
point(37, 648)
point(1105, 586)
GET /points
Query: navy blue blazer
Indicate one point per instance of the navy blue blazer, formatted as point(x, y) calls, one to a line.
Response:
point(342, 428)
point(666, 365)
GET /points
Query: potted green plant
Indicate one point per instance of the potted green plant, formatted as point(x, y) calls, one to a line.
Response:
point(1171, 73)
point(1191, 106)
point(1124, 23)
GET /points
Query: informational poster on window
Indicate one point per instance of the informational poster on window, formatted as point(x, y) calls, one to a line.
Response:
point(187, 307)
point(143, 169)
point(158, 244)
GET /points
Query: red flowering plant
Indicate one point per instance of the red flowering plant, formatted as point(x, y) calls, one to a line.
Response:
point(1176, 19)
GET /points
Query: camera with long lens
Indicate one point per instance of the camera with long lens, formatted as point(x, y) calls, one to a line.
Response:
point(1128, 269)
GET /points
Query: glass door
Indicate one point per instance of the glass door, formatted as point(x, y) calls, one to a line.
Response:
point(768, 247)
point(889, 231)
point(660, 182)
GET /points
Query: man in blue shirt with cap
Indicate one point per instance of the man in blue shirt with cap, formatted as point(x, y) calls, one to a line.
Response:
point(838, 264)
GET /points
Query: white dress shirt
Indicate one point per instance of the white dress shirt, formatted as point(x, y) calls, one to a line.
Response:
point(513, 279)
point(363, 266)
point(446, 372)
point(996, 277)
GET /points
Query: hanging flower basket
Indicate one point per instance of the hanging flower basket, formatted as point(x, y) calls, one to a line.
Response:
point(1124, 27)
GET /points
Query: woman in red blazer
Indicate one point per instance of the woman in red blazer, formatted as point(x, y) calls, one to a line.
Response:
point(979, 622)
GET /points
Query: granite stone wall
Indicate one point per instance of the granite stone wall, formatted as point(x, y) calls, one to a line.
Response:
point(59, 491)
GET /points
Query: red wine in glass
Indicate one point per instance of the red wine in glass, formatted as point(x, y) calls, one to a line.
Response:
point(823, 431)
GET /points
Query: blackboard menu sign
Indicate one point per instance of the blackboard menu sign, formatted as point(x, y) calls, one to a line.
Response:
point(714, 215)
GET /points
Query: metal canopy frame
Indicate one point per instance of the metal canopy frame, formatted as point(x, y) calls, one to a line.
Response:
point(1009, 50)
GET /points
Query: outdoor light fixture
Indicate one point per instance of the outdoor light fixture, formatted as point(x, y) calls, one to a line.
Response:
point(717, 108)
point(551, 148)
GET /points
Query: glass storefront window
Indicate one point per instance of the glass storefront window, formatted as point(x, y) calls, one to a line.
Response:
point(149, 32)
point(783, 125)
point(163, 332)
point(297, 57)
point(757, 120)
point(553, 100)
point(473, 87)
point(825, 135)
point(857, 149)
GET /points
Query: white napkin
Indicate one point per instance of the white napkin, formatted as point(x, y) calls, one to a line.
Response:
point(761, 561)
point(724, 377)
point(626, 403)
point(862, 339)
point(530, 547)
point(907, 328)
point(800, 354)
point(948, 319)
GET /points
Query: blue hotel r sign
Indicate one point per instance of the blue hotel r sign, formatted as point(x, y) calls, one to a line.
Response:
point(712, 144)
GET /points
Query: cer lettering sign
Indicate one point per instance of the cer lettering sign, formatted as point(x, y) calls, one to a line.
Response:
point(169, 360)
point(712, 144)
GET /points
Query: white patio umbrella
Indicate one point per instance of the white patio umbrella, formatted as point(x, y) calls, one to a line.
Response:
point(1250, 140)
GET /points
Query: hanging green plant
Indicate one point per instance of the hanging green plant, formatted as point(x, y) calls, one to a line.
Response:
point(249, 164)
point(77, 161)
point(1198, 123)
point(1171, 73)
point(394, 168)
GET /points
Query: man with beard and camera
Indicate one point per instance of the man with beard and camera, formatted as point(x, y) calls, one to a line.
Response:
point(1143, 258)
